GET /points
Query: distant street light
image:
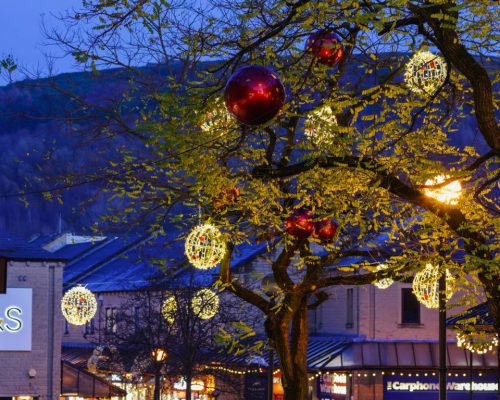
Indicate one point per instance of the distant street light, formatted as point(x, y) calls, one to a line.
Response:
point(159, 355)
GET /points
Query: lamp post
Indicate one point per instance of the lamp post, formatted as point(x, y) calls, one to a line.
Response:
point(447, 194)
point(159, 355)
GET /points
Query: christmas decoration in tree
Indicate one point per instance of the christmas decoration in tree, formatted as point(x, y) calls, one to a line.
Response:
point(254, 95)
point(319, 126)
point(218, 121)
point(448, 193)
point(226, 198)
point(326, 47)
point(300, 224)
point(325, 229)
point(205, 304)
point(479, 342)
point(383, 283)
point(426, 286)
point(205, 247)
point(169, 309)
point(78, 305)
point(425, 73)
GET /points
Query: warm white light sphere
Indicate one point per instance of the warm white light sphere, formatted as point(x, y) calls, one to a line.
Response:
point(205, 304)
point(478, 342)
point(78, 305)
point(319, 126)
point(383, 283)
point(426, 286)
point(169, 309)
point(425, 73)
point(205, 247)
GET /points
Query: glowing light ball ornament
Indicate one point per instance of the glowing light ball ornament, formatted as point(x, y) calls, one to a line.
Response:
point(325, 229)
point(205, 247)
point(300, 224)
point(205, 304)
point(254, 95)
point(326, 47)
point(168, 309)
point(217, 120)
point(319, 126)
point(425, 73)
point(383, 283)
point(447, 194)
point(78, 305)
point(426, 286)
point(477, 342)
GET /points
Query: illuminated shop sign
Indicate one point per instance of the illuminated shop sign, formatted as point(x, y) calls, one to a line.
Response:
point(484, 387)
point(332, 386)
point(15, 320)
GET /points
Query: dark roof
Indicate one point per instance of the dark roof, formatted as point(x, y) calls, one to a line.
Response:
point(13, 248)
point(476, 316)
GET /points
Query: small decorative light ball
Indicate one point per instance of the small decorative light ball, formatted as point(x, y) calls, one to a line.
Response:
point(478, 342)
point(326, 47)
point(300, 224)
point(205, 247)
point(205, 304)
point(218, 120)
point(254, 95)
point(169, 309)
point(319, 126)
point(448, 194)
point(78, 305)
point(325, 229)
point(426, 286)
point(425, 73)
point(383, 283)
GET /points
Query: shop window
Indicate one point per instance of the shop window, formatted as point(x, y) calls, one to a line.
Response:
point(410, 307)
point(110, 322)
point(350, 309)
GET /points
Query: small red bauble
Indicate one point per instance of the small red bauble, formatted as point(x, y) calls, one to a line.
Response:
point(326, 47)
point(300, 224)
point(226, 198)
point(325, 229)
point(254, 95)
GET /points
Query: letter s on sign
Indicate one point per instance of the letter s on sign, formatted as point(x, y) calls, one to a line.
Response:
point(18, 324)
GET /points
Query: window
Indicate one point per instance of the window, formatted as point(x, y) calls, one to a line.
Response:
point(410, 307)
point(66, 327)
point(90, 327)
point(110, 323)
point(350, 309)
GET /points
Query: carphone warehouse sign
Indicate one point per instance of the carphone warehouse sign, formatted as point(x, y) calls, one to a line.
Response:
point(15, 320)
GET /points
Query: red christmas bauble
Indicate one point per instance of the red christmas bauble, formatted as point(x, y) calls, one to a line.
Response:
point(325, 229)
point(326, 47)
point(300, 224)
point(254, 95)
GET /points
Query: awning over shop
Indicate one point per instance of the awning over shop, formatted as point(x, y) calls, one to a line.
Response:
point(394, 355)
point(77, 382)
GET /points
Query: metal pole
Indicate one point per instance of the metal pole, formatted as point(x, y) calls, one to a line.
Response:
point(471, 378)
point(270, 375)
point(157, 383)
point(442, 336)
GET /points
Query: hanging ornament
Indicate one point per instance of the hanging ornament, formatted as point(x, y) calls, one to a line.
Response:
point(478, 342)
point(205, 247)
point(226, 198)
point(326, 47)
point(319, 126)
point(300, 224)
point(217, 120)
point(169, 309)
point(205, 304)
point(447, 194)
point(325, 229)
point(254, 95)
point(426, 286)
point(425, 73)
point(383, 283)
point(78, 305)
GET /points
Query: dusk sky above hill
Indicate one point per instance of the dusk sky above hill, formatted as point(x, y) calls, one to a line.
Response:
point(21, 32)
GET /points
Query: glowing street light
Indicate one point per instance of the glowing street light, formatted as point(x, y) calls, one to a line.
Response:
point(447, 194)
point(158, 355)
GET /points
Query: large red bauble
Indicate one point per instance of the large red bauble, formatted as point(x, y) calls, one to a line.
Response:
point(300, 224)
point(325, 229)
point(254, 95)
point(326, 47)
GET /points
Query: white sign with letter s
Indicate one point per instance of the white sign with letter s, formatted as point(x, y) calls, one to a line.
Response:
point(15, 320)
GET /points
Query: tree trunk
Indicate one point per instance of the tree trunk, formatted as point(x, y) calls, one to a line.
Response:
point(189, 379)
point(291, 348)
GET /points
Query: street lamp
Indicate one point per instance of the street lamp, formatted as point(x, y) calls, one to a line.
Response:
point(447, 194)
point(158, 355)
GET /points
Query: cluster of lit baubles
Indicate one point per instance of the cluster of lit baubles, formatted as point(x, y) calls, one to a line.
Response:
point(78, 305)
point(448, 193)
point(205, 246)
point(426, 286)
point(301, 225)
point(383, 283)
point(477, 342)
point(205, 304)
point(319, 126)
point(425, 73)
